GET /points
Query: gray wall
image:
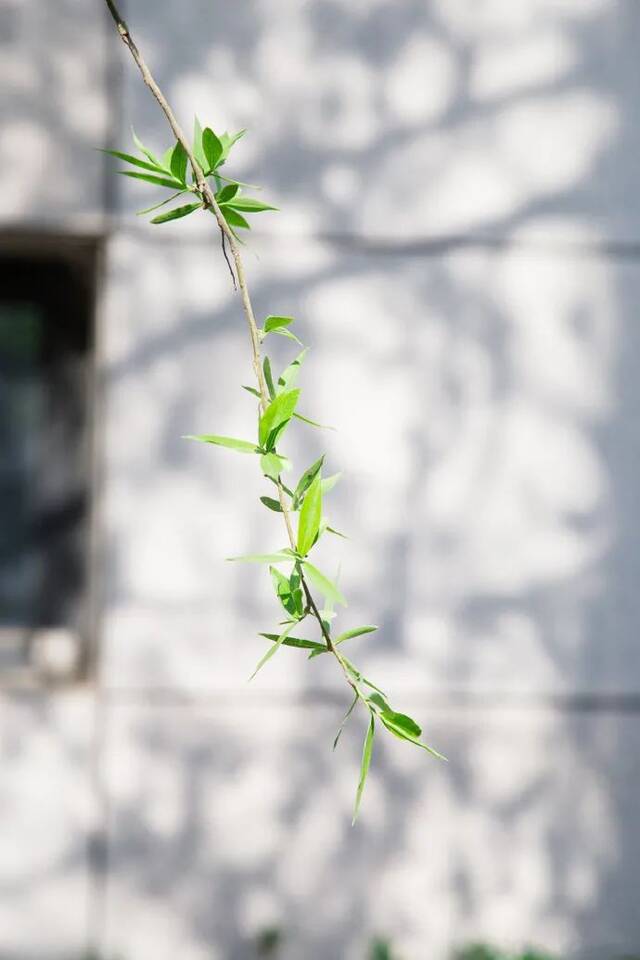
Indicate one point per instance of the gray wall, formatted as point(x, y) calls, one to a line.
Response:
point(459, 240)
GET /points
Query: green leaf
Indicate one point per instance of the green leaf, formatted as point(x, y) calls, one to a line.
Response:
point(271, 504)
point(401, 722)
point(322, 583)
point(227, 140)
point(198, 151)
point(227, 193)
point(166, 159)
point(379, 701)
point(212, 147)
point(253, 391)
point(244, 446)
point(266, 367)
point(234, 219)
point(178, 162)
point(405, 728)
point(312, 423)
point(296, 642)
point(306, 479)
point(356, 632)
point(288, 377)
point(141, 147)
point(239, 183)
point(310, 515)
point(163, 203)
point(286, 333)
point(289, 592)
point(272, 650)
point(275, 323)
point(158, 181)
point(279, 557)
point(272, 465)
point(177, 213)
point(337, 533)
point(276, 416)
point(250, 205)
point(355, 673)
point(365, 764)
point(280, 582)
point(329, 482)
point(346, 716)
point(349, 634)
point(133, 160)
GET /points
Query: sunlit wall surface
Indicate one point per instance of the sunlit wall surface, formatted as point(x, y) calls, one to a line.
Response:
point(459, 240)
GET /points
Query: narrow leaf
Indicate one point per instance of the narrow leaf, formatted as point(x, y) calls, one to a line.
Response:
point(306, 479)
point(227, 140)
point(288, 377)
point(252, 390)
point(249, 205)
point(405, 728)
point(299, 642)
point(312, 423)
point(329, 482)
point(271, 504)
point(266, 367)
point(355, 673)
point(322, 583)
point(163, 203)
point(310, 515)
point(289, 592)
point(177, 213)
point(272, 465)
point(166, 159)
point(212, 147)
point(275, 323)
point(244, 446)
point(233, 218)
point(349, 634)
point(280, 557)
point(337, 533)
point(287, 333)
point(344, 719)
point(379, 701)
point(227, 193)
point(141, 147)
point(272, 650)
point(158, 181)
point(134, 160)
point(178, 162)
point(356, 632)
point(239, 183)
point(278, 413)
point(198, 151)
point(365, 764)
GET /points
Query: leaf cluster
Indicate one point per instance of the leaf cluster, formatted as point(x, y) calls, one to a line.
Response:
point(172, 172)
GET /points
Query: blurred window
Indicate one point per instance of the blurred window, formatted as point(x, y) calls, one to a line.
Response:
point(46, 338)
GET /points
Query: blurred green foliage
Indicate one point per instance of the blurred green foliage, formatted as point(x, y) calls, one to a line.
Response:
point(479, 951)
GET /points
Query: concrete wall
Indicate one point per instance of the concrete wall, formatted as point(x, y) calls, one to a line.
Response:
point(459, 240)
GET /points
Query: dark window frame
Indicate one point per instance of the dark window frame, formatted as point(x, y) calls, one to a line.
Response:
point(59, 275)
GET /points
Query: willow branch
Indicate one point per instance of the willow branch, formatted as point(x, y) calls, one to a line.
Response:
point(207, 196)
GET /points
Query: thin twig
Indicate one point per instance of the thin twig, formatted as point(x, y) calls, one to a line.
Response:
point(208, 198)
